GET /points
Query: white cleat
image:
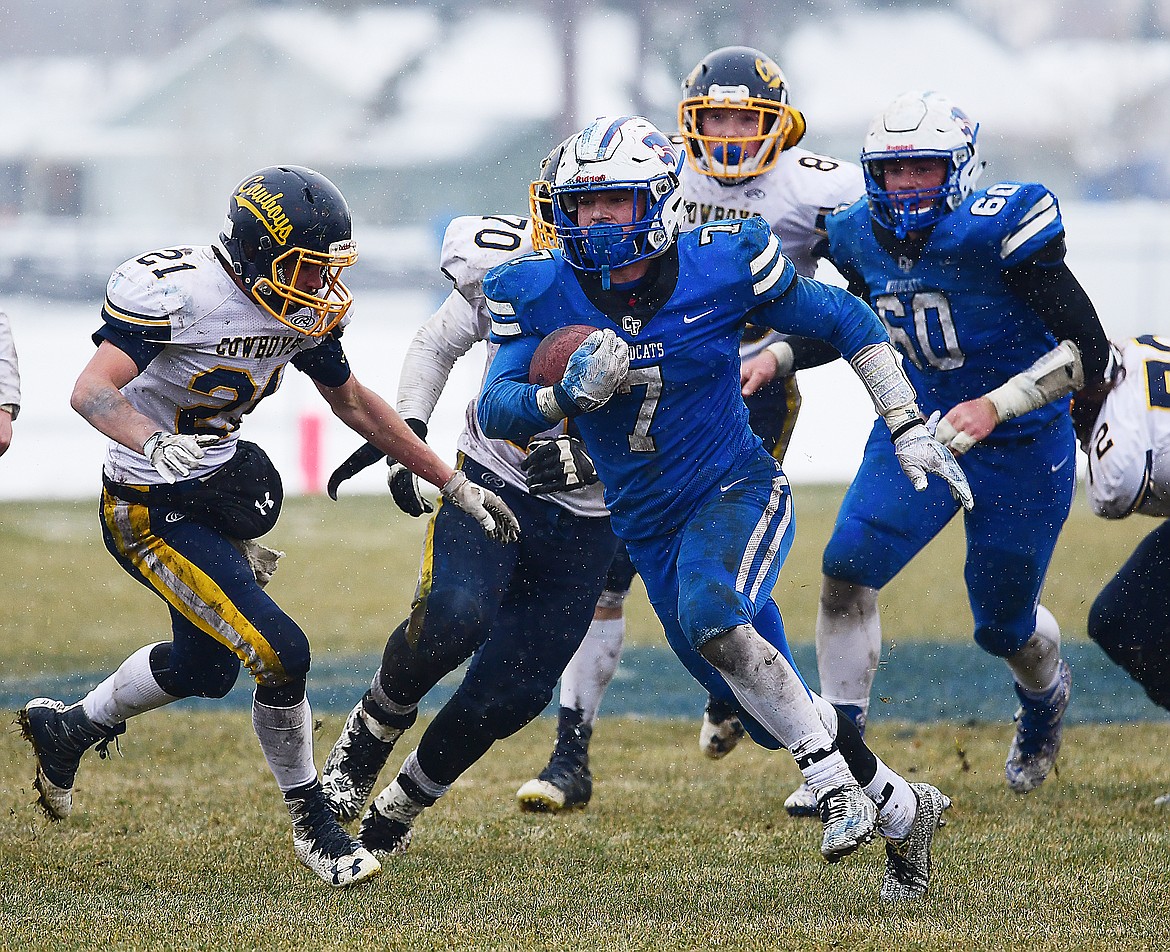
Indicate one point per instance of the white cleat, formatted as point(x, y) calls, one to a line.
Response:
point(850, 820)
point(802, 802)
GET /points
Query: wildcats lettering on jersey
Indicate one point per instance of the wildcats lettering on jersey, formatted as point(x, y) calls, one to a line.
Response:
point(652, 350)
point(259, 348)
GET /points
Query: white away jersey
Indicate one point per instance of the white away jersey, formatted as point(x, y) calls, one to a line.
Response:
point(1129, 452)
point(472, 246)
point(221, 354)
point(792, 197)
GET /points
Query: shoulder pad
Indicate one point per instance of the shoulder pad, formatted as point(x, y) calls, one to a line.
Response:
point(510, 288)
point(822, 180)
point(1021, 218)
point(474, 244)
point(746, 247)
point(139, 306)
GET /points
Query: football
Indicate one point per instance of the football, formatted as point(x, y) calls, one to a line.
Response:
point(552, 354)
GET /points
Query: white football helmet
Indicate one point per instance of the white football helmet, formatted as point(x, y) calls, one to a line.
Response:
point(619, 153)
point(916, 125)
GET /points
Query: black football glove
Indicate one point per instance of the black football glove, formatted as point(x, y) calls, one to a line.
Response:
point(558, 465)
point(365, 455)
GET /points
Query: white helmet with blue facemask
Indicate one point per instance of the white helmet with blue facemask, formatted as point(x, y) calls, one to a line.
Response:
point(618, 153)
point(920, 125)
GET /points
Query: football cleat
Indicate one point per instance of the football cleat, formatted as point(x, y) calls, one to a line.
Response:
point(387, 824)
point(1039, 725)
point(59, 736)
point(721, 730)
point(1162, 801)
point(322, 845)
point(908, 860)
point(566, 782)
point(352, 767)
point(802, 802)
point(850, 820)
point(562, 785)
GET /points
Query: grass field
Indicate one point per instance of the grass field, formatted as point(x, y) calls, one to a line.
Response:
point(182, 842)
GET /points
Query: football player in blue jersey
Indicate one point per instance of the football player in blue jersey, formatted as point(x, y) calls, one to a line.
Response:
point(1124, 427)
point(741, 138)
point(704, 510)
point(995, 333)
point(192, 338)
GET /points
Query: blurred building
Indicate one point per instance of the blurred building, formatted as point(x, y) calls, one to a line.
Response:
point(130, 129)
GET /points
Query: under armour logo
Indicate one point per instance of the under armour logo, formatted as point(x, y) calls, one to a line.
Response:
point(265, 504)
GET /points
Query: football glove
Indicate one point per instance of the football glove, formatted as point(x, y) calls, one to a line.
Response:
point(365, 455)
point(174, 455)
point(405, 489)
point(920, 453)
point(557, 465)
point(484, 506)
point(596, 369)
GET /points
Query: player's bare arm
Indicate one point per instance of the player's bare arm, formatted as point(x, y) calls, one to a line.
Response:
point(97, 396)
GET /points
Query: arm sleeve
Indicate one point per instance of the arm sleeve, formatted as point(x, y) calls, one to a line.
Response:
point(808, 352)
point(507, 407)
point(445, 337)
point(1053, 292)
point(824, 312)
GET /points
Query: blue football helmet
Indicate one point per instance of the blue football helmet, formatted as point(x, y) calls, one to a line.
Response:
point(619, 153)
point(280, 222)
point(920, 125)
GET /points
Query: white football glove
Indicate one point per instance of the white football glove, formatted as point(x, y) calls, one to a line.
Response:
point(261, 559)
point(484, 506)
point(920, 453)
point(596, 369)
point(175, 454)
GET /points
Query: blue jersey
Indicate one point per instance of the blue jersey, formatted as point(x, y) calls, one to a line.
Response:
point(950, 311)
point(678, 426)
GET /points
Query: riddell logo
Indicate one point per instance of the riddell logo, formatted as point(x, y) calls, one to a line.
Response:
point(589, 178)
point(253, 196)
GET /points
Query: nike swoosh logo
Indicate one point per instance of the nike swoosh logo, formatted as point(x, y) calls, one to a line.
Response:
point(724, 489)
point(691, 320)
point(1059, 466)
